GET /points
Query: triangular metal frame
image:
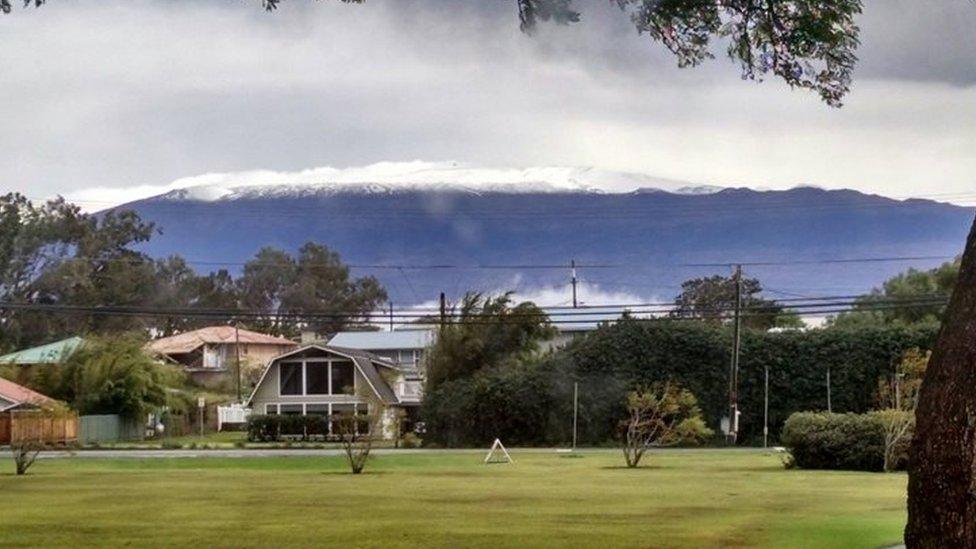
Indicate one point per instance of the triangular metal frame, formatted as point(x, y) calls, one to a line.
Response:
point(491, 453)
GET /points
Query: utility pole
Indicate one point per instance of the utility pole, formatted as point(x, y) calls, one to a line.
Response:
point(572, 267)
point(766, 411)
point(443, 310)
point(391, 316)
point(734, 367)
point(830, 408)
point(237, 350)
point(575, 410)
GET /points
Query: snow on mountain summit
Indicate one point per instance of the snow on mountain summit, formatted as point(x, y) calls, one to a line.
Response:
point(391, 177)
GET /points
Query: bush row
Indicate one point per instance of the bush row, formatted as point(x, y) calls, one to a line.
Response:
point(819, 440)
point(532, 403)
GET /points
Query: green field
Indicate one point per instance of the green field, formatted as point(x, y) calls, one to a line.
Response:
point(679, 499)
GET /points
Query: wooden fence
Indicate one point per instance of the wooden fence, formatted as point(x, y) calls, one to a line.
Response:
point(38, 426)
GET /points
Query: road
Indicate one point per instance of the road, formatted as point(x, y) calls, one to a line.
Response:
point(298, 452)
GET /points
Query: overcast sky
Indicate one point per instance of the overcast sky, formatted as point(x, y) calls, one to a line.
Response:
point(136, 93)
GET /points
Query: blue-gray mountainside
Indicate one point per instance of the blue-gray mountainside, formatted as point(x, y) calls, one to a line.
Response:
point(646, 242)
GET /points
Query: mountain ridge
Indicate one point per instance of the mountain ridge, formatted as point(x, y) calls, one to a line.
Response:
point(652, 237)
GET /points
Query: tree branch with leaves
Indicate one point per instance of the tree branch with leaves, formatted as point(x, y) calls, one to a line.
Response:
point(660, 415)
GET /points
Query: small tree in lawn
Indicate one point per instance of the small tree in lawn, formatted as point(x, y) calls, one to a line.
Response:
point(660, 415)
point(898, 398)
point(356, 431)
point(36, 433)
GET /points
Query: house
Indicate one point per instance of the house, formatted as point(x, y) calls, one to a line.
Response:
point(325, 380)
point(209, 354)
point(405, 348)
point(18, 397)
point(52, 353)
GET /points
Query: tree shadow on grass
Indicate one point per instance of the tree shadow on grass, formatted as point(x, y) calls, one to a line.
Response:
point(350, 474)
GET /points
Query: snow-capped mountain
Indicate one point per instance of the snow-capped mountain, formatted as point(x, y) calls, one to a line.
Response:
point(647, 235)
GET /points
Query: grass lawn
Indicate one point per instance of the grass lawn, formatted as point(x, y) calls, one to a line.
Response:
point(679, 499)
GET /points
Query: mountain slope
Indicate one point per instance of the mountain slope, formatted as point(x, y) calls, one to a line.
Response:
point(646, 236)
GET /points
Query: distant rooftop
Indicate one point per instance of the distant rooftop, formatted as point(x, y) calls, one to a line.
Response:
point(383, 341)
point(213, 335)
point(19, 395)
point(45, 354)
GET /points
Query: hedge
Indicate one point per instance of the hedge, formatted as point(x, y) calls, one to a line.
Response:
point(616, 357)
point(272, 428)
point(513, 403)
point(531, 404)
point(835, 441)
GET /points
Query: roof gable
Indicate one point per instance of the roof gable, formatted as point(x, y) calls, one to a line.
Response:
point(365, 362)
point(19, 395)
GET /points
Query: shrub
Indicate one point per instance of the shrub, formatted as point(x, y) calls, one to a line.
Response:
point(835, 441)
point(411, 440)
point(273, 428)
point(262, 428)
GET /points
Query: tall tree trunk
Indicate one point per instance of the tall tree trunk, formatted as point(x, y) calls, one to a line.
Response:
point(942, 467)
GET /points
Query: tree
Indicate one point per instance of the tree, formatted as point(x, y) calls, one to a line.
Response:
point(661, 415)
point(315, 283)
point(919, 293)
point(941, 507)
point(356, 431)
point(898, 398)
point(39, 433)
point(110, 375)
point(53, 254)
point(483, 332)
point(713, 298)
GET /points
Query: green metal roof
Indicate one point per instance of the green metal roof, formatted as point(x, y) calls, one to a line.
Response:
point(45, 354)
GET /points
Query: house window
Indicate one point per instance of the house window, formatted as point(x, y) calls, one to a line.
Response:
point(317, 379)
point(290, 374)
point(316, 409)
point(343, 378)
point(271, 409)
point(291, 409)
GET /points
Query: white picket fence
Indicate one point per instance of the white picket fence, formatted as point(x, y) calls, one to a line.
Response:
point(235, 413)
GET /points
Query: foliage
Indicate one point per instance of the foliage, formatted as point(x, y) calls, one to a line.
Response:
point(925, 291)
point(897, 427)
point(898, 398)
point(356, 432)
point(110, 375)
point(274, 428)
point(484, 332)
point(315, 282)
point(820, 440)
point(614, 358)
point(513, 401)
point(661, 415)
point(713, 298)
point(53, 254)
point(34, 439)
point(411, 440)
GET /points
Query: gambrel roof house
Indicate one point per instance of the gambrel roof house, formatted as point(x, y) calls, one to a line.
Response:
point(324, 380)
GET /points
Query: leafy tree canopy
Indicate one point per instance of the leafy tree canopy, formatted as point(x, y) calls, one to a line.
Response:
point(484, 332)
point(910, 295)
point(713, 299)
